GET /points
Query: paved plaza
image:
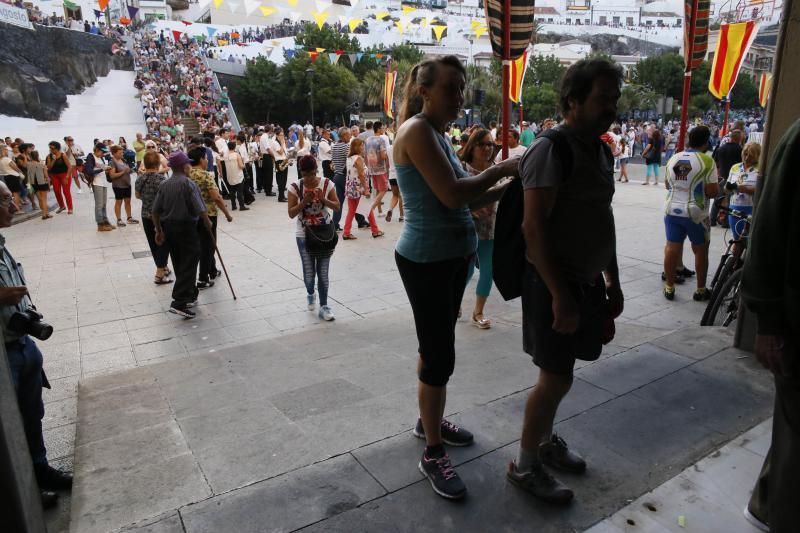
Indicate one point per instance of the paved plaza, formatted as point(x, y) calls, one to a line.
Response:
point(255, 416)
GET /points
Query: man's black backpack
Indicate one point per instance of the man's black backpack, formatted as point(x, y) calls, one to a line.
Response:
point(508, 257)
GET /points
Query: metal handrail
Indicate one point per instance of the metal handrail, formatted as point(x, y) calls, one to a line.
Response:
point(231, 111)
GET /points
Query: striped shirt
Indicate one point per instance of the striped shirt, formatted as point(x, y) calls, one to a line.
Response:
point(339, 154)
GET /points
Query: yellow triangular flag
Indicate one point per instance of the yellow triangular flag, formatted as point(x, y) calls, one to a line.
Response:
point(438, 30)
point(354, 23)
point(400, 26)
point(380, 15)
point(475, 23)
point(408, 9)
point(217, 3)
point(319, 17)
point(480, 30)
point(267, 11)
point(320, 50)
point(292, 2)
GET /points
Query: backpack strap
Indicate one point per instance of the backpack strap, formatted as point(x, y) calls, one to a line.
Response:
point(562, 149)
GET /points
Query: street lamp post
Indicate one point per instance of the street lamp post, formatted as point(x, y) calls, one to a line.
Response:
point(310, 72)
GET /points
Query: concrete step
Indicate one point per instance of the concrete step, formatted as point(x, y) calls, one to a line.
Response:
point(310, 427)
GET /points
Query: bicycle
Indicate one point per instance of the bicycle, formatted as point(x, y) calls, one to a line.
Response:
point(722, 308)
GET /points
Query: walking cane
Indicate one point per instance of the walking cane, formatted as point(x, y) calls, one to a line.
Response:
point(225, 270)
point(221, 262)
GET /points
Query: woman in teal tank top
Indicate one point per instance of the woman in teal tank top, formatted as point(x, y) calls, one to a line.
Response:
point(437, 246)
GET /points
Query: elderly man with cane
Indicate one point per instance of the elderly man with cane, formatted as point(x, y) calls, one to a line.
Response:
point(176, 211)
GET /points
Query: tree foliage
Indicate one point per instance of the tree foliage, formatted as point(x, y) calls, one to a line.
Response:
point(661, 74)
point(745, 93)
point(636, 97)
point(312, 37)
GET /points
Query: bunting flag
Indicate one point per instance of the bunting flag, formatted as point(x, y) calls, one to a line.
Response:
point(176, 34)
point(217, 3)
point(267, 11)
point(289, 54)
point(251, 5)
point(292, 2)
point(359, 55)
point(233, 6)
point(354, 23)
point(700, 46)
point(124, 21)
point(480, 30)
point(353, 59)
point(132, 12)
point(733, 42)
point(71, 5)
point(407, 10)
point(211, 31)
point(388, 93)
point(320, 18)
point(97, 13)
point(186, 23)
point(320, 50)
point(475, 23)
point(313, 55)
point(380, 15)
point(522, 24)
point(764, 88)
point(103, 4)
point(400, 26)
point(518, 68)
point(333, 58)
point(438, 31)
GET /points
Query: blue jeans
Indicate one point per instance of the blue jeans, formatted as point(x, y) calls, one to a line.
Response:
point(314, 266)
point(339, 180)
point(25, 361)
point(484, 286)
point(100, 198)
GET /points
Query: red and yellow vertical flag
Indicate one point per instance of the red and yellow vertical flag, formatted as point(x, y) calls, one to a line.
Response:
point(764, 87)
point(388, 93)
point(700, 41)
point(733, 42)
point(518, 68)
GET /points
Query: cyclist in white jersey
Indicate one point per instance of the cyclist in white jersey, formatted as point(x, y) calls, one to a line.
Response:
point(691, 178)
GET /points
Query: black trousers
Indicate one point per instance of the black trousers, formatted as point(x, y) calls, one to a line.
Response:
point(237, 191)
point(327, 170)
point(281, 177)
point(184, 247)
point(208, 264)
point(267, 171)
point(160, 253)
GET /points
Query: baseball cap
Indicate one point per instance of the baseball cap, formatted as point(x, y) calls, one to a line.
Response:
point(178, 159)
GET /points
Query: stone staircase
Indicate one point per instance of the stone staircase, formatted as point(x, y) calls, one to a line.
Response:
point(190, 127)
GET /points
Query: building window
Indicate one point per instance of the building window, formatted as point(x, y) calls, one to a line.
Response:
point(603, 20)
point(616, 21)
point(588, 22)
point(649, 23)
point(550, 19)
point(629, 21)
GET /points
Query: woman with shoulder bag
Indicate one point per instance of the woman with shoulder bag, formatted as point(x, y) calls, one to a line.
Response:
point(311, 200)
point(355, 187)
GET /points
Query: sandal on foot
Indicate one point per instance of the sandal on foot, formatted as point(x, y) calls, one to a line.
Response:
point(163, 280)
point(481, 323)
point(378, 234)
point(349, 237)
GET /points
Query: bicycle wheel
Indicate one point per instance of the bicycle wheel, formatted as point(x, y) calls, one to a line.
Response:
point(723, 275)
point(724, 309)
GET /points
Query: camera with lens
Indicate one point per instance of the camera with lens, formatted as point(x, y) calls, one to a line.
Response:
point(29, 322)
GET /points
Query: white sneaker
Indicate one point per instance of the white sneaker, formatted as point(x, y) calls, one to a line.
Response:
point(326, 314)
point(312, 301)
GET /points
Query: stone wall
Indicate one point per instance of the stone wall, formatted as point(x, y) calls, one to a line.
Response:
point(39, 68)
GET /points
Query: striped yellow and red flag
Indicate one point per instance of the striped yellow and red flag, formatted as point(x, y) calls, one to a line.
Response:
point(733, 42)
point(518, 68)
point(700, 45)
point(388, 93)
point(764, 87)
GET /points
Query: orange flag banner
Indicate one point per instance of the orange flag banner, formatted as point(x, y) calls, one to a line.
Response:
point(764, 88)
point(388, 93)
point(733, 42)
point(518, 68)
point(103, 4)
